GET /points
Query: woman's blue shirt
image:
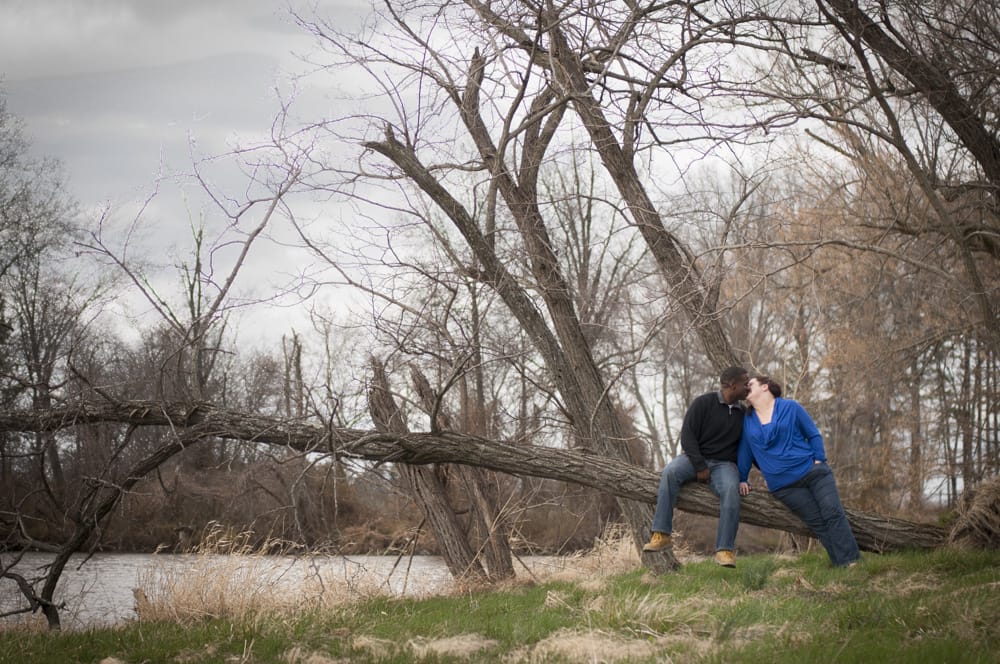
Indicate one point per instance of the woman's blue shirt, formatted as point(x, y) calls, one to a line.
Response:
point(784, 449)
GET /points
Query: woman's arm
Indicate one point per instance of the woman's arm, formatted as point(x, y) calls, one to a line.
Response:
point(744, 459)
point(811, 433)
point(744, 456)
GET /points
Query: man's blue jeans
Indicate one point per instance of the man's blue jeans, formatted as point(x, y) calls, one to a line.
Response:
point(815, 500)
point(724, 482)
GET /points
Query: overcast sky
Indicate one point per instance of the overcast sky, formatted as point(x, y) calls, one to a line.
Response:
point(115, 89)
point(108, 86)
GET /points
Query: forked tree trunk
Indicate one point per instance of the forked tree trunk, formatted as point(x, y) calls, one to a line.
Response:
point(425, 484)
point(483, 501)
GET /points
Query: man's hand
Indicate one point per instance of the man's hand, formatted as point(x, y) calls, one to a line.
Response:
point(703, 475)
point(745, 488)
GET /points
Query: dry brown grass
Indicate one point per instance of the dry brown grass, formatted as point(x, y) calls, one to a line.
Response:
point(613, 553)
point(895, 584)
point(686, 617)
point(584, 646)
point(301, 656)
point(377, 647)
point(25, 623)
point(228, 578)
point(462, 645)
point(978, 522)
point(240, 587)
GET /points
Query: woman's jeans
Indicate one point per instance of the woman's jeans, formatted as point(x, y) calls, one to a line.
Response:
point(815, 500)
point(725, 483)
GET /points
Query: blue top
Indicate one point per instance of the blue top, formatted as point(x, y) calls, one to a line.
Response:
point(784, 449)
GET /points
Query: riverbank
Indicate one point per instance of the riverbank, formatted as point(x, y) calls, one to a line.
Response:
point(910, 607)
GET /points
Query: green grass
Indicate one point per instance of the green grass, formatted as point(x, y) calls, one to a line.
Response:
point(911, 607)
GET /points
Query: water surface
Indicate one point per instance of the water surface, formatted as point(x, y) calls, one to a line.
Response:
point(100, 590)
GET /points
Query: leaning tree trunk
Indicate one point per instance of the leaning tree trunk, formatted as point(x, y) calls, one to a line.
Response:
point(566, 352)
point(425, 484)
point(874, 532)
point(486, 516)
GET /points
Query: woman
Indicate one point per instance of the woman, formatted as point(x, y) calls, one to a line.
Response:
point(781, 439)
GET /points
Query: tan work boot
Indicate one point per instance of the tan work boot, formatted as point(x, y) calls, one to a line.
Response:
point(658, 542)
point(725, 558)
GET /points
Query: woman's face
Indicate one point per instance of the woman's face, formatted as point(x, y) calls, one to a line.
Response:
point(757, 390)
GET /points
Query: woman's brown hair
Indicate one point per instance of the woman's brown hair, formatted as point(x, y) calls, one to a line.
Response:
point(773, 386)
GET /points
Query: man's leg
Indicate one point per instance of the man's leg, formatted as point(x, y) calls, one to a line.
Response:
point(725, 483)
point(676, 473)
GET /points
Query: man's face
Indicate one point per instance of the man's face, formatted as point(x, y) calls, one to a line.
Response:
point(743, 386)
point(740, 387)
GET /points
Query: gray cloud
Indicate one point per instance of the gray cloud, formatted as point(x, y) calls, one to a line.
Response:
point(60, 37)
point(114, 88)
point(112, 128)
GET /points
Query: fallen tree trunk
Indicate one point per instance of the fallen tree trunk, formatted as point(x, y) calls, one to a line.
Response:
point(874, 532)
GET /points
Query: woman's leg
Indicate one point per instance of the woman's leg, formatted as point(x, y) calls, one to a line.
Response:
point(842, 547)
point(815, 500)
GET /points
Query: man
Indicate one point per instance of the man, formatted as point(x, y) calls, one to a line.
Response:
point(710, 440)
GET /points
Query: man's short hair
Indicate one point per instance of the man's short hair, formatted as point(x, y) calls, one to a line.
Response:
point(732, 374)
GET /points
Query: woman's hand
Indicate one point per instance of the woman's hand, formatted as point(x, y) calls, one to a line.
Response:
point(745, 488)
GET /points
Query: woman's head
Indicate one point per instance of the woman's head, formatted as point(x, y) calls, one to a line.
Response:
point(760, 383)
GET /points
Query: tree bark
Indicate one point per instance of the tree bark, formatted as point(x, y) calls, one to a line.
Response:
point(425, 484)
point(874, 532)
point(483, 499)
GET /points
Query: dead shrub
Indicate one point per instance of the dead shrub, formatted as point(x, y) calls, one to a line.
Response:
point(978, 521)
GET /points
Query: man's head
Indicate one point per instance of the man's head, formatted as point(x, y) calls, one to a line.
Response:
point(734, 382)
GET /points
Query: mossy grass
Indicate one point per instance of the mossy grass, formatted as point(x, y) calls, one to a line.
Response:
point(942, 606)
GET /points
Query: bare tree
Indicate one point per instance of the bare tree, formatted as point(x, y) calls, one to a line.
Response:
point(48, 323)
point(513, 91)
point(912, 85)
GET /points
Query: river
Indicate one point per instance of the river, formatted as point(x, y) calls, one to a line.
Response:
point(101, 590)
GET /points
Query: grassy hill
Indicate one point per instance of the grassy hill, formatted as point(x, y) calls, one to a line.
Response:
point(911, 607)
